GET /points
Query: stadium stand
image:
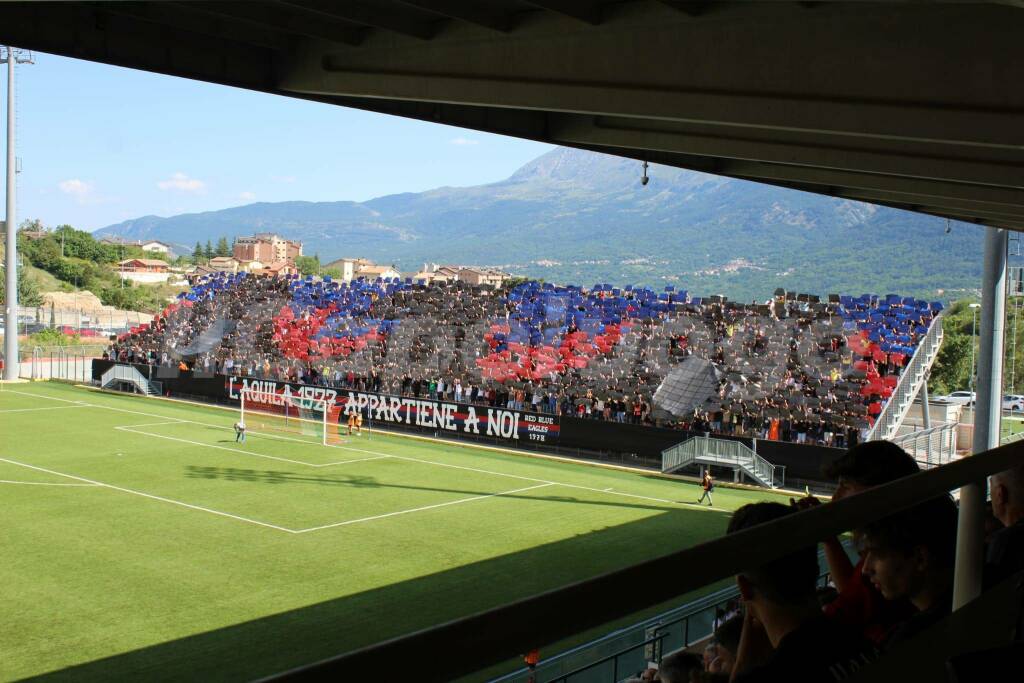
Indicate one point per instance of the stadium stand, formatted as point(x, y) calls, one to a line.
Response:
point(794, 368)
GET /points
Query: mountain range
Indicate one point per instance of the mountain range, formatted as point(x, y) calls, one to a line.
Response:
point(583, 217)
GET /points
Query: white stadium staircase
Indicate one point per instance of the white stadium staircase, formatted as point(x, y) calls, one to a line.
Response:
point(128, 374)
point(705, 450)
point(888, 422)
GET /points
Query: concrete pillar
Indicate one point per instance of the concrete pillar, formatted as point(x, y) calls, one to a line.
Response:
point(970, 535)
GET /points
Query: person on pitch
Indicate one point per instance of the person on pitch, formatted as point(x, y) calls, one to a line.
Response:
point(239, 432)
point(351, 422)
point(359, 424)
point(708, 484)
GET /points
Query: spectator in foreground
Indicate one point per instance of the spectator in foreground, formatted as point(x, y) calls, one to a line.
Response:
point(859, 604)
point(785, 636)
point(727, 638)
point(1006, 549)
point(679, 667)
point(911, 555)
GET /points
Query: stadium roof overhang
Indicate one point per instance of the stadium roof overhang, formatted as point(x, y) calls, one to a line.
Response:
point(913, 105)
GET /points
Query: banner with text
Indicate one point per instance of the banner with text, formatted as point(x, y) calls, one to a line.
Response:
point(403, 411)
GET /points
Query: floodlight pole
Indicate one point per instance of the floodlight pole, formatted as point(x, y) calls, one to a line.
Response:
point(971, 381)
point(970, 535)
point(11, 365)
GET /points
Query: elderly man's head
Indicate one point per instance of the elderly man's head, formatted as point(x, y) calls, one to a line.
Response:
point(1008, 495)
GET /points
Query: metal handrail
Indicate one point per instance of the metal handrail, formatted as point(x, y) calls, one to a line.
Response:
point(126, 373)
point(938, 443)
point(684, 614)
point(664, 620)
point(490, 637)
point(902, 396)
point(1013, 438)
point(614, 658)
point(726, 452)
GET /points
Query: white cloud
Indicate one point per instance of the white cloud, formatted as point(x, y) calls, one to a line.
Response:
point(79, 189)
point(247, 196)
point(181, 182)
point(462, 142)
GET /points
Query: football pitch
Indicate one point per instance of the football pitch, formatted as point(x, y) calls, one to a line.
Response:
point(141, 542)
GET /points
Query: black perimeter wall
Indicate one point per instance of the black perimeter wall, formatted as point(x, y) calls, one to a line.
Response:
point(629, 444)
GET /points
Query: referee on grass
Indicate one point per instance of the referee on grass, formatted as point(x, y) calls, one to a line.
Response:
point(239, 432)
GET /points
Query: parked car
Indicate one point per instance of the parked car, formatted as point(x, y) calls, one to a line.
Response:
point(1013, 402)
point(961, 398)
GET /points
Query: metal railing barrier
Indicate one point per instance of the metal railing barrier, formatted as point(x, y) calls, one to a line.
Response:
point(931, 447)
point(895, 409)
point(677, 628)
point(489, 638)
point(128, 374)
point(705, 450)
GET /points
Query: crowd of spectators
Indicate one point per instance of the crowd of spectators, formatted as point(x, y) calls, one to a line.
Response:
point(793, 368)
point(787, 629)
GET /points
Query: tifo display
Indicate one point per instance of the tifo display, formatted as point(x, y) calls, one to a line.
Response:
point(792, 368)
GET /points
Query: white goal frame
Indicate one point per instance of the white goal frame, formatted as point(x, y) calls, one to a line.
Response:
point(294, 402)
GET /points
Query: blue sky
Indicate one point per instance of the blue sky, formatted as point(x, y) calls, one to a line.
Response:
point(100, 144)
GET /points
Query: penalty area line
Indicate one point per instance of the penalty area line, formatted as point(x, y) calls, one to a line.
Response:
point(32, 410)
point(46, 483)
point(421, 509)
point(151, 496)
point(131, 428)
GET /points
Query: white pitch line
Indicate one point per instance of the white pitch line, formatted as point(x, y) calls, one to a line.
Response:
point(251, 433)
point(151, 496)
point(45, 483)
point(210, 445)
point(346, 462)
point(398, 457)
point(133, 430)
point(421, 509)
point(516, 476)
point(29, 410)
point(151, 424)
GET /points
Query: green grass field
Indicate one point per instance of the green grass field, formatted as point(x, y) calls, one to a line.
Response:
point(140, 542)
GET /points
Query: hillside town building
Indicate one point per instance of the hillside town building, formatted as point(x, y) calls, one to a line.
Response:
point(267, 247)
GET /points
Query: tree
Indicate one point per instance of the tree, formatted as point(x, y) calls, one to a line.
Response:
point(952, 367)
point(197, 254)
point(34, 225)
point(208, 253)
point(308, 265)
point(28, 290)
point(222, 247)
point(81, 244)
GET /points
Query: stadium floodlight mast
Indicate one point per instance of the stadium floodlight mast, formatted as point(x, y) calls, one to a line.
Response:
point(11, 56)
point(974, 324)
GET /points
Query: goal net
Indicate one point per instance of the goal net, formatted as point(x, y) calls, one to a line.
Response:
point(307, 419)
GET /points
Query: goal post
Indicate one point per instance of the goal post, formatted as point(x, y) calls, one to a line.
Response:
point(307, 419)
